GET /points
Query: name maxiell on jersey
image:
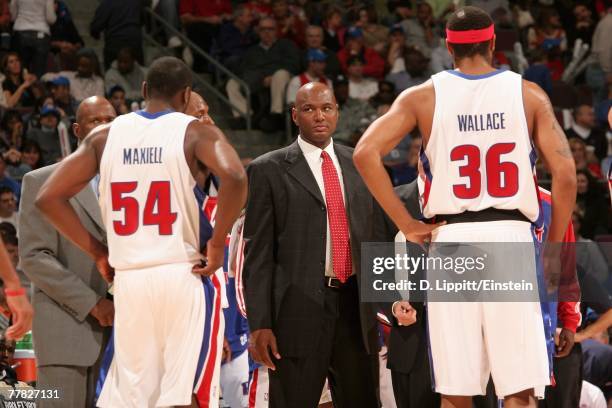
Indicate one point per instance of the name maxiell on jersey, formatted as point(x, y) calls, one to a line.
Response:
point(142, 155)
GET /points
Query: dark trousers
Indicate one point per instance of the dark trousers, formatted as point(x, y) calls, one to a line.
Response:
point(568, 376)
point(341, 357)
point(414, 390)
point(202, 34)
point(33, 47)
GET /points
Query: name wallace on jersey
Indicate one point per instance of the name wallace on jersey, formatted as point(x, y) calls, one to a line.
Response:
point(477, 123)
point(142, 155)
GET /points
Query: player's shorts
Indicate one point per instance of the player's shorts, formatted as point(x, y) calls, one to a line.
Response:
point(235, 381)
point(168, 336)
point(469, 340)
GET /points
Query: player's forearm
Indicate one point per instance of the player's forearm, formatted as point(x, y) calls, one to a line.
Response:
point(62, 216)
point(7, 272)
point(564, 193)
point(230, 202)
point(376, 178)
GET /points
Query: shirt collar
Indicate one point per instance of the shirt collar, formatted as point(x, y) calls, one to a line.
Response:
point(310, 150)
point(583, 132)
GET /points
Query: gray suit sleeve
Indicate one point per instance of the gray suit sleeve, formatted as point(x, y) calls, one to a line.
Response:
point(38, 248)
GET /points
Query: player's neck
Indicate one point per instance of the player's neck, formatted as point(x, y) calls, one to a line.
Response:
point(474, 66)
point(156, 105)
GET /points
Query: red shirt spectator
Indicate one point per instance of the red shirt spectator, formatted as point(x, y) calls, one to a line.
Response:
point(374, 64)
point(289, 26)
point(205, 8)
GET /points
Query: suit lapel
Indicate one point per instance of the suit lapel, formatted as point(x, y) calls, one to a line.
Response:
point(298, 168)
point(350, 177)
point(87, 199)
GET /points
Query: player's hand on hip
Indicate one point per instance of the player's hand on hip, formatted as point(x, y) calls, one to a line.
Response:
point(262, 342)
point(104, 267)
point(22, 313)
point(214, 260)
point(564, 343)
point(226, 355)
point(419, 232)
point(404, 313)
point(104, 312)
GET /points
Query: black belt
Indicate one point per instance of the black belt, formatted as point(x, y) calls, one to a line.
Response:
point(335, 283)
point(489, 214)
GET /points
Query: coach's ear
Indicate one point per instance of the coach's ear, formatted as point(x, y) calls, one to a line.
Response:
point(144, 90)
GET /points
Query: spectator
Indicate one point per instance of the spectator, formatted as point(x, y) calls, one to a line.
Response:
point(584, 127)
point(421, 32)
point(355, 115)
point(32, 20)
point(12, 130)
point(267, 66)
point(121, 22)
point(60, 91)
point(314, 73)
point(581, 157)
point(126, 73)
point(407, 171)
point(47, 136)
point(29, 159)
point(383, 100)
point(333, 30)
point(235, 38)
point(588, 255)
point(599, 70)
point(499, 10)
point(6, 181)
point(395, 51)
point(289, 26)
point(202, 20)
point(592, 205)
point(314, 40)
point(400, 10)
point(11, 242)
point(85, 81)
point(548, 33)
point(169, 10)
point(416, 71)
point(374, 64)
point(117, 98)
point(16, 86)
point(584, 25)
point(8, 206)
point(538, 71)
point(65, 38)
point(375, 36)
point(359, 87)
point(260, 8)
point(5, 20)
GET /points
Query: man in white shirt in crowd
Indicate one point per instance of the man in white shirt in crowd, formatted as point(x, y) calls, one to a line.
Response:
point(359, 87)
point(315, 72)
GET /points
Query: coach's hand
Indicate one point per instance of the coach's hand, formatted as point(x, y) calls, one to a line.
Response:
point(104, 312)
point(419, 232)
point(404, 313)
point(564, 343)
point(214, 260)
point(107, 271)
point(261, 343)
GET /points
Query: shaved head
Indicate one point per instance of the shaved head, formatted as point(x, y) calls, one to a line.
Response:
point(198, 107)
point(92, 112)
point(315, 113)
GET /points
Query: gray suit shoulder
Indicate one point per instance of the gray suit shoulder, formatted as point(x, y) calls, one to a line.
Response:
point(41, 173)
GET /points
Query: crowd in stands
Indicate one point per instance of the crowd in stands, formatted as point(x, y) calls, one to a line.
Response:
point(367, 51)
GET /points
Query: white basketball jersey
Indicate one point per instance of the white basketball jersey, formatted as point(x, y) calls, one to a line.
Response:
point(146, 192)
point(479, 154)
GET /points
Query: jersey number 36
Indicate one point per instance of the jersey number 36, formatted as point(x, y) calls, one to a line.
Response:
point(157, 209)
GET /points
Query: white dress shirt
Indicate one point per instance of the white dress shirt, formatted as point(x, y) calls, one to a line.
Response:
point(313, 157)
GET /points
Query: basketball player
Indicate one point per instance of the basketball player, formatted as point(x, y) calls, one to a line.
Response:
point(479, 126)
point(147, 161)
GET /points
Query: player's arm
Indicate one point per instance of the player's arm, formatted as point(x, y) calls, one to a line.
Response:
point(70, 177)
point(551, 142)
point(377, 141)
point(21, 310)
point(214, 151)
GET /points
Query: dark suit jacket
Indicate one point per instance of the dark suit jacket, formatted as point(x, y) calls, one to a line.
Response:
point(405, 342)
point(285, 234)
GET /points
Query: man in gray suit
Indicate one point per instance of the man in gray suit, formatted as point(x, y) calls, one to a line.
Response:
point(70, 305)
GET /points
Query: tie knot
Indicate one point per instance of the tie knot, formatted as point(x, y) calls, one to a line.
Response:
point(325, 155)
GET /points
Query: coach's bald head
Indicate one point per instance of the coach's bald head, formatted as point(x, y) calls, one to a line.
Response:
point(315, 113)
point(92, 112)
point(198, 107)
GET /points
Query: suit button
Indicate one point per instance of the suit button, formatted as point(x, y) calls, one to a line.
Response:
point(322, 263)
point(322, 208)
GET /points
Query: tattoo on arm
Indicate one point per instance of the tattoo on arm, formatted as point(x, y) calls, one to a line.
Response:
point(563, 150)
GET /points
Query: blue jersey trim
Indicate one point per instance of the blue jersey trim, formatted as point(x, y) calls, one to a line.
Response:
point(473, 77)
point(149, 115)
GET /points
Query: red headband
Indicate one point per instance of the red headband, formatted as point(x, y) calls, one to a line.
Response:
point(470, 36)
